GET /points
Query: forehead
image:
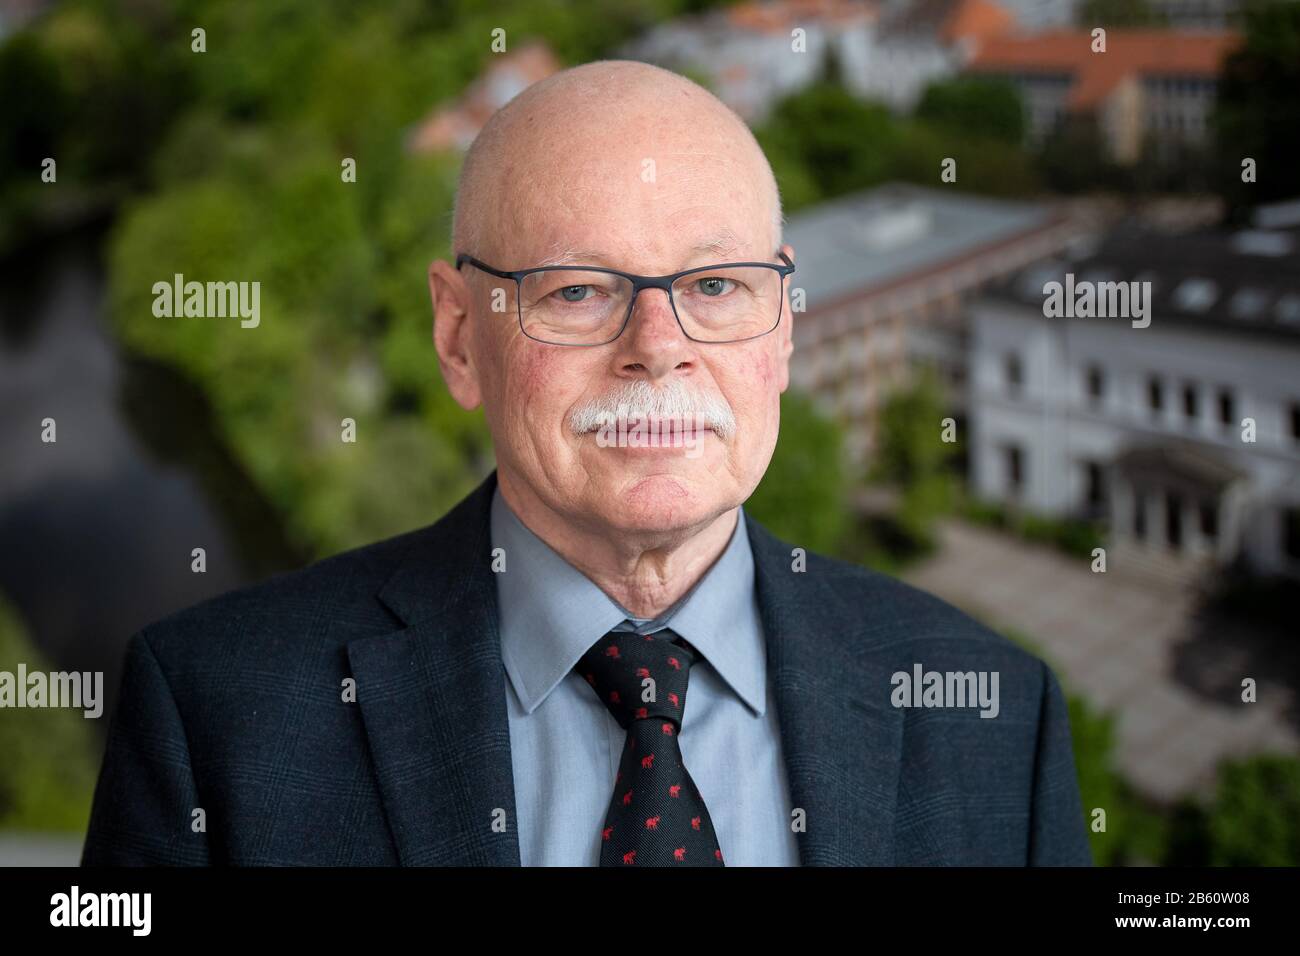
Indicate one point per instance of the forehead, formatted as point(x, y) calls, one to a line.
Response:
point(644, 210)
point(720, 245)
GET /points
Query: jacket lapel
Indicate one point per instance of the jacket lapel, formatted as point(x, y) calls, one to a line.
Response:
point(841, 739)
point(432, 698)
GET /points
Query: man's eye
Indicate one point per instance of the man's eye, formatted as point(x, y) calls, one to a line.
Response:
point(574, 293)
point(714, 285)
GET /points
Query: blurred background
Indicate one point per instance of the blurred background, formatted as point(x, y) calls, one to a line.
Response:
point(940, 428)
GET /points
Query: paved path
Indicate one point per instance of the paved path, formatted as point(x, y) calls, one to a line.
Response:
point(40, 849)
point(1112, 638)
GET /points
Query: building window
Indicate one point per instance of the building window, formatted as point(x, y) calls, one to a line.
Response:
point(1295, 421)
point(1191, 403)
point(1291, 533)
point(1139, 515)
point(1155, 395)
point(1015, 375)
point(1209, 512)
point(1096, 384)
point(1015, 468)
point(1174, 521)
point(1095, 486)
point(1227, 409)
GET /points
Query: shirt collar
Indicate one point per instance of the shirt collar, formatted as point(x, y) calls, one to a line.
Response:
point(551, 613)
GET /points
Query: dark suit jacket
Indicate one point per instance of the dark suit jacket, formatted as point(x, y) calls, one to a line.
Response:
point(235, 706)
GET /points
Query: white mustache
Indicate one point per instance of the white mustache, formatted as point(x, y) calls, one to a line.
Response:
point(639, 400)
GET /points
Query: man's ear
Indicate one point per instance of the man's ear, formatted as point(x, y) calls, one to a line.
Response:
point(452, 333)
point(786, 331)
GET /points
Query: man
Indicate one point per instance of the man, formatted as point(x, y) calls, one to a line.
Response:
point(509, 685)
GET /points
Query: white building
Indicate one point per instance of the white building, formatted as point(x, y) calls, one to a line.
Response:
point(753, 54)
point(1149, 428)
point(882, 278)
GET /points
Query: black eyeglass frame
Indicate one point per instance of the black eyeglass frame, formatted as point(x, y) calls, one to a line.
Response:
point(664, 282)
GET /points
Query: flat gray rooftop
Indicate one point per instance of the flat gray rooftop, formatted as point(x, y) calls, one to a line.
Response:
point(856, 242)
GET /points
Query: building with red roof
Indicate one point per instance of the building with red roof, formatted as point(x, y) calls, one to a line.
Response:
point(1147, 86)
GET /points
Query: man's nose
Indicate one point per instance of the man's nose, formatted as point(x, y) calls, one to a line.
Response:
point(653, 342)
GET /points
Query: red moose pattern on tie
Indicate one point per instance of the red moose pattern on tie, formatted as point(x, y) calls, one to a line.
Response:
point(656, 815)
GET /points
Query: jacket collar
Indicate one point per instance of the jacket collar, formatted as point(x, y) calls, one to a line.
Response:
point(433, 703)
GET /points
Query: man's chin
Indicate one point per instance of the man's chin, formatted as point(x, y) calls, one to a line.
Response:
point(654, 488)
point(647, 499)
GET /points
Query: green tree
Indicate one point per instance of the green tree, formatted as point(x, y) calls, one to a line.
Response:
point(1074, 158)
point(48, 758)
point(986, 166)
point(832, 68)
point(842, 143)
point(1133, 833)
point(911, 455)
point(1257, 115)
point(803, 495)
point(344, 331)
point(1255, 818)
point(245, 184)
point(909, 446)
point(974, 106)
point(1119, 13)
point(36, 107)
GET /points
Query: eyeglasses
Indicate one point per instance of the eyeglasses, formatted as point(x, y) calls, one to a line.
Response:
point(590, 305)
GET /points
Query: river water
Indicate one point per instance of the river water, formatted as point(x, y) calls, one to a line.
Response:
point(97, 528)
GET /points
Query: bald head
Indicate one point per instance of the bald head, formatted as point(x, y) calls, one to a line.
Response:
point(612, 133)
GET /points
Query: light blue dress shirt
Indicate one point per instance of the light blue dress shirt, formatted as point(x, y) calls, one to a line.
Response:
point(565, 744)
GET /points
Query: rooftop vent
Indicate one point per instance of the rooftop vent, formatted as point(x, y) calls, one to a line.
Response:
point(1082, 246)
point(895, 225)
point(1257, 242)
point(1278, 215)
point(1196, 295)
point(1248, 303)
point(1288, 309)
point(1032, 279)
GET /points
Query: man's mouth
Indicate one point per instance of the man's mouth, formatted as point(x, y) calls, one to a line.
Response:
point(651, 431)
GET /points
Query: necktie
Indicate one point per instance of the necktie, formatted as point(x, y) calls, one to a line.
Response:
point(656, 815)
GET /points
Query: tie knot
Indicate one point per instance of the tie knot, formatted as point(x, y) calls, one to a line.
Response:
point(639, 676)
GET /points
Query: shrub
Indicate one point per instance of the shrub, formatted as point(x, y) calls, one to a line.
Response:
point(48, 758)
point(1255, 818)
